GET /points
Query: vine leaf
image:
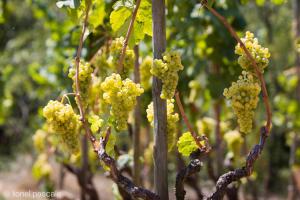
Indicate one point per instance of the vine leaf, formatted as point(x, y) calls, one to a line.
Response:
point(121, 15)
point(97, 13)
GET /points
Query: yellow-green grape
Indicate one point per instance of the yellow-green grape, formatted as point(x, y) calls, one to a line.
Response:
point(85, 77)
point(96, 102)
point(96, 123)
point(259, 53)
point(115, 52)
point(39, 140)
point(186, 144)
point(244, 98)
point(167, 71)
point(172, 119)
point(234, 142)
point(145, 74)
point(41, 168)
point(121, 95)
point(64, 122)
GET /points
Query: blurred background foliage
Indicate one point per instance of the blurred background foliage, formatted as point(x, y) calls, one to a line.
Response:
point(38, 41)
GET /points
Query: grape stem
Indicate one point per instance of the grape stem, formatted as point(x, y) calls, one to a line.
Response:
point(77, 84)
point(204, 148)
point(122, 56)
point(250, 57)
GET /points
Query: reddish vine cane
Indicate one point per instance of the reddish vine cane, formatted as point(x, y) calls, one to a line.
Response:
point(253, 155)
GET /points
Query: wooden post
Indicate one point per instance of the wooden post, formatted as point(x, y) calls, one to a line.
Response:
point(137, 123)
point(160, 116)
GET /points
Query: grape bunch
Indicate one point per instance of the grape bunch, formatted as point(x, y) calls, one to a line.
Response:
point(145, 68)
point(39, 140)
point(85, 77)
point(41, 168)
point(260, 54)
point(64, 122)
point(121, 95)
point(167, 71)
point(244, 98)
point(172, 119)
point(234, 141)
point(95, 98)
point(187, 144)
point(115, 53)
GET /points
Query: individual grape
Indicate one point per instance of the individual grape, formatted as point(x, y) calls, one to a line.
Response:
point(167, 71)
point(39, 139)
point(244, 98)
point(172, 119)
point(121, 95)
point(85, 77)
point(186, 144)
point(41, 168)
point(259, 53)
point(64, 122)
point(115, 52)
point(145, 74)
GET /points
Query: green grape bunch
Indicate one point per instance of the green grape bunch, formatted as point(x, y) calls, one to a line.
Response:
point(167, 71)
point(85, 77)
point(64, 122)
point(234, 142)
point(260, 54)
point(172, 119)
point(41, 168)
point(39, 140)
point(244, 98)
point(121, 96)
point(115, 53)
point(145, 68)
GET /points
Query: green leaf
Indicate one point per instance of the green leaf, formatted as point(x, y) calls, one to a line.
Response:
point(278, 2)
point(110, 145)
point(186, 144)
point(97, 13)
point(119, 17)
point(260, 2)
